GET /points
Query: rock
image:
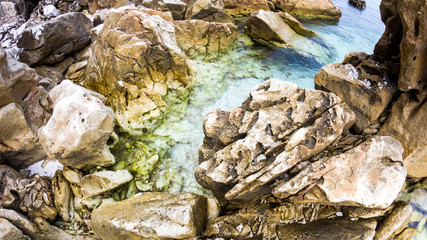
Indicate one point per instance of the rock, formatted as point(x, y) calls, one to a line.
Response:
point(50, 74)
point(278, 126)
point(406, 123)
point(8, 13)
point(362, 212)
point(74, 178)
point(63, 196)
point(406, 234)
point(99, 4)
point(154, 215)
point(9, 232)
point(97, 183)
point(76, 72)
point(176, 7)
point(271, 29)
point(358, 3)
point(79, 128)
point(370, 94)
point(208, 10)
point(309, 8)
point(244, 7)
point(8, 187)
point(296, 25)
point(197, 36)
point(50, 42)
point(135, 62)
point(370, 175)
point(395, 222)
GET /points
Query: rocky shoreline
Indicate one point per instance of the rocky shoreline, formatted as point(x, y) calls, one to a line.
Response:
point(85, 82)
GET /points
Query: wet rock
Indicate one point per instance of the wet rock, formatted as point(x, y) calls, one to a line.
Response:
point(395, 222)
point(176, 7)
point(197, 36)
point(36, 197)
point(79, 128)
point(370, 175)
point(9, 197)
point(63, 196)
point(244, 7)
point(278, 126)
point(51, 41)
point(406, 123)
point(208, 10)
point(100, 182)
point(367, 81)
point(9, 232)
point(135, 62)
point(151, 215)
point(309, 9)
point(358, 3)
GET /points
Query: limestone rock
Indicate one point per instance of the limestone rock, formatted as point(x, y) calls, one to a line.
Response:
point(99, 4)
point(367, 94)
point(309, 8)
point(370, 175)
point(278, 126)
point(50, 41)
point(63, 196)
point(79, 128)
point(9, 232)
point(297, 25)
point(208, 10)
point(135, 62)
point(151, 215)
point(8, 187)
point(76, 72)
point(406, 123)
point(244, 7)
point(395, 222)
point(97, 183)
point(197, 36)
point(358, 3)
point(176, 7)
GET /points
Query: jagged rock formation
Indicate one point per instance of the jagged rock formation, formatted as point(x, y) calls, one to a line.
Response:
point(176, 7)
point(208, 10)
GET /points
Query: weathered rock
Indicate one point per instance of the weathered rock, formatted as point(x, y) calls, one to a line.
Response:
point(395, 222)
point(154, 215)
point(50, 41)
point(407, 234)
point(135, 62)
point(197, 36)
point(406, 123)
point(9, 197)
point(244, 7)
point(76, 72)
point(362, 212)
point(363, 85)
point(276, 128)
point(176, 7)
point(297, 25)
point(9, 232)
point(358, 3)
point(97, 183)
point(99, 4)
point(63, 196)
point(8, 13)
point(79, 128)
point(370, 175)
point(74, 177)
point(309, 8)
point(208, 10)
point(50, 74)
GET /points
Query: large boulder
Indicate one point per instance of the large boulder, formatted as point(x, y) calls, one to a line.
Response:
point(135, 62)
point(176, 7)
point(151, 216)
point(370, 175)
point(244, 7)
point(208, 10)
point(406, 123)
point(50, 42)
point(79, 128)
point(197, 36)
point(280, 125)
point(309, 8)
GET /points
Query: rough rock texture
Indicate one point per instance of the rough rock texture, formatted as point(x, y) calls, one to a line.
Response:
point(135, 60)
point(296, 25)
point(79, 128)
point(197, 36)
point(8, 13)
point(208, 10)
point(358, 3)
point(154, 216)
point(9, 232)
point(50, 41)
point(99, 4)
point(97, 183)
point(244, 7)
point(309, 8)
point(277, 127)
point(407, 123)
point(176, 7)
point(9, 197)
point(63, 196)
point(361, 82)
point(369, 175)
point(395, 222)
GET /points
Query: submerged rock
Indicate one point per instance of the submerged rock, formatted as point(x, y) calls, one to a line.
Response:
point(208, 10)
point(50, 42)
point(197, 36)
point(309, 8)
point(280, 125)
point(97, 183)
point(79, 128)
point(153, 216)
